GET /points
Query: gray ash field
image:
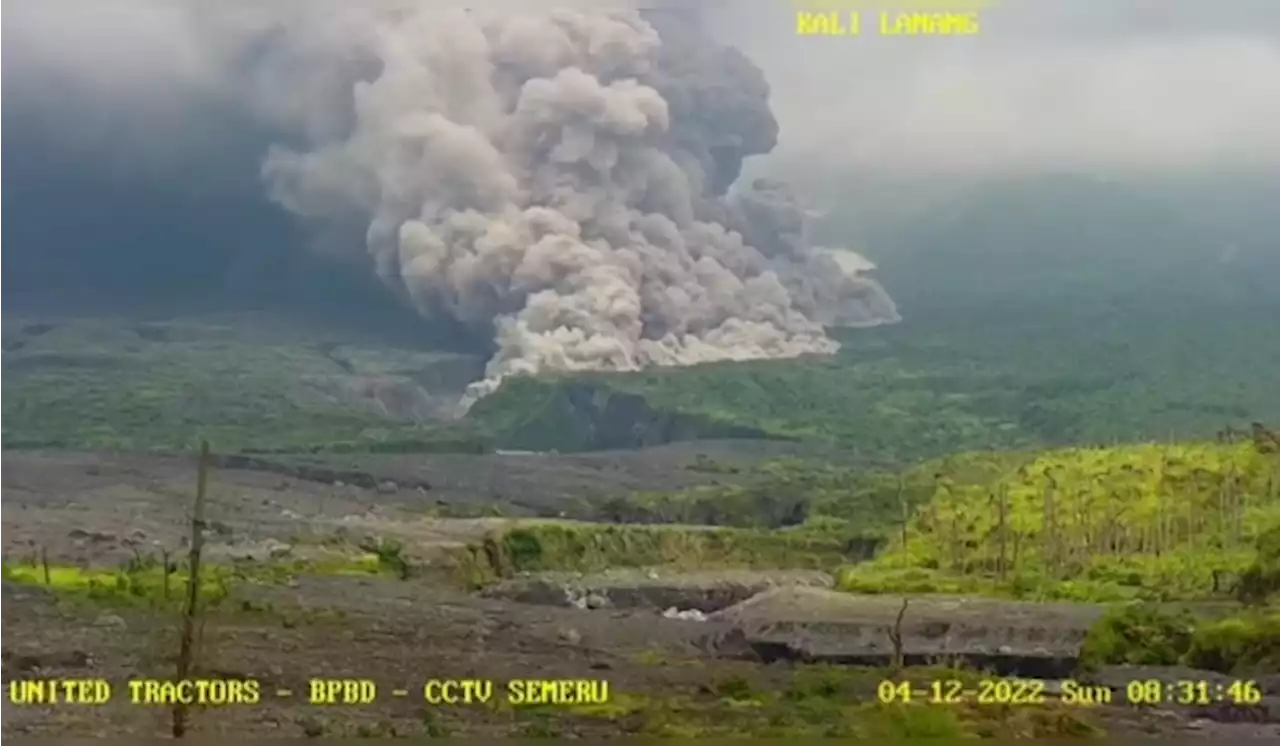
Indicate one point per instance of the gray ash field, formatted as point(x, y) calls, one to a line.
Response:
point(308, 619)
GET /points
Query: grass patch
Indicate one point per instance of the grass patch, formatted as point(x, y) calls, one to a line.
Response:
point(281, 570)
point(134, 586)
point(142, 581)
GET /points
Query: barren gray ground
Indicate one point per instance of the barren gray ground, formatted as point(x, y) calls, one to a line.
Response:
point(97, 507)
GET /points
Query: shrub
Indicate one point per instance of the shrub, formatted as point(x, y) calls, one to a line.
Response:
point(1137, 634)
point(1238, 645)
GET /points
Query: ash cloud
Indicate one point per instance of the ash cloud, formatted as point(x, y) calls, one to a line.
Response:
point(556, 180)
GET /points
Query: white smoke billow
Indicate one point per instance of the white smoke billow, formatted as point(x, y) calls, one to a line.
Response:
point(558, 180)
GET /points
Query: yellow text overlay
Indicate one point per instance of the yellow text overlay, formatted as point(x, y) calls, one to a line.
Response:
point(209, 692)
point(886, 23)
point(327, 691)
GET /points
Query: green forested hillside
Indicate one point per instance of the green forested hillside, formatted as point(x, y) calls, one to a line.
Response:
point(938, 385)
point(246, 382)
point(1157, 521)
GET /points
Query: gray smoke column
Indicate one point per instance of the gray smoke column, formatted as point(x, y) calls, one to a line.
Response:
point(558, 180)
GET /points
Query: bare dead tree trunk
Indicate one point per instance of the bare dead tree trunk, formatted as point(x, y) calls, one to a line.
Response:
point(1002, 497)
point(1051, 537)
point(902, 505)
point(164, 557)
point(895, 636)
point(192, 608)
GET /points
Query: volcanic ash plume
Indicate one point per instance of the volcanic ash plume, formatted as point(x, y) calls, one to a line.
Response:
point(559, 181)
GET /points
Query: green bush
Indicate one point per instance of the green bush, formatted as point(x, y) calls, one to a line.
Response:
point(1138, 634)
point(1238, 645)
point(1147, 635)
point(1262, 579)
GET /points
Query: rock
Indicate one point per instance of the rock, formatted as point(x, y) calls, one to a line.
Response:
point(138, 535)
point(705, 591)
point(94, 536)
point(793, 623)
point(286, 513)
point(597, 601)
point(1232, 713)
point(692, 615)
point(339, 484)
point(277, 549)
point(24, 663)
point(311, 727)
point(77, 659)
point(220, 528)
point(571, 635)
point(109, 620)
point(388, 487)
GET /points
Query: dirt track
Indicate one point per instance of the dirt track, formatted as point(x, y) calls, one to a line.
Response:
point(87, 508)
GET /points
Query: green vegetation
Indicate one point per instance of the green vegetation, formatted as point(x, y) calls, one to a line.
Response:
point(995, 379)
point(1160, 522)
point(583, 413)
point(113, 384)
point(143, 580)
point(1261, 580)
point(585, 547)
point(779, 493)
point(1142, 634)
point(989, 378)
point(146, 585)
point(1243, 644)
point(1138, 634)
